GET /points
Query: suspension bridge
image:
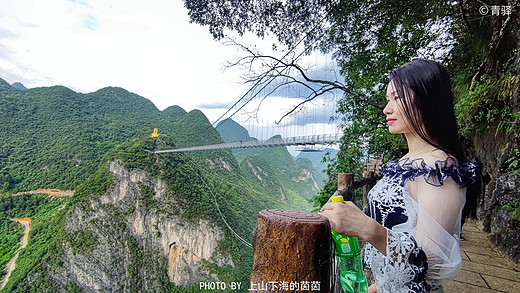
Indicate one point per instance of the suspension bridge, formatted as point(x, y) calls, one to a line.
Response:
point(305, 97)
point(306, 142)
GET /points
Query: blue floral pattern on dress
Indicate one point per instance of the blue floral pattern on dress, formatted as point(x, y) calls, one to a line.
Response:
point(404, 269)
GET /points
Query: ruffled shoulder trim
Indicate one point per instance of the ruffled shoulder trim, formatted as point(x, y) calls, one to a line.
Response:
point(463, 174)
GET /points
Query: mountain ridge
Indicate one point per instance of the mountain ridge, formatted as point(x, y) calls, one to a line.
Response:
point(123, 227)
point(300, 179)
point(56, 126)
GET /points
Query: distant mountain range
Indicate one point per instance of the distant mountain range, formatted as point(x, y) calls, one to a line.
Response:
point(316, 159)
point(18, 85)
point(137, 222)
point(298, 176)
point(55, 138)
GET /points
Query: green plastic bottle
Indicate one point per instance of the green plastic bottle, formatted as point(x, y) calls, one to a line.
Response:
point(348, 257)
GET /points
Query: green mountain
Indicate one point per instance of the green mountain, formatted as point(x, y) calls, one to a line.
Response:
point(18, 85)
point(138, 221)
point(316, 160)
point(231, 131)
point(54, 137)
point(295, 178)
point(142, 223)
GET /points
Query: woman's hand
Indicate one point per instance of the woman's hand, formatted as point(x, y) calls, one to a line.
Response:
point(347, 219)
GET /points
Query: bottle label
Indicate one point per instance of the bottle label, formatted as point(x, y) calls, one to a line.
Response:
point(346, 246)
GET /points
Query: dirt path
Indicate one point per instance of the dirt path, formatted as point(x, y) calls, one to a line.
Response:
point(49, 191)
point(26, 224)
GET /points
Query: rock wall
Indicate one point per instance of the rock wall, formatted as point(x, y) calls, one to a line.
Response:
point(500, 190)
point(135, 237)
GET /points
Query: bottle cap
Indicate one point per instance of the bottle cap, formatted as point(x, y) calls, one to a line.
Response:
point(338, 198)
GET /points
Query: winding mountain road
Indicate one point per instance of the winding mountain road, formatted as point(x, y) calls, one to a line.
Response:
point(26, 224)
point(49, 191)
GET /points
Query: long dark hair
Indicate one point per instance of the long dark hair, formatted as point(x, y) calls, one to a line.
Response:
point(425, 89)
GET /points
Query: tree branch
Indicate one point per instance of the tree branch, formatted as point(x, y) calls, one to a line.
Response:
point(275, 68)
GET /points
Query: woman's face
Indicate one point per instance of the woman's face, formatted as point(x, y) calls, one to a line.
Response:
point(395, 117)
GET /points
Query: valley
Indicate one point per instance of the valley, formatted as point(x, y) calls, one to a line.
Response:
point(11, 265)
point(106, 214)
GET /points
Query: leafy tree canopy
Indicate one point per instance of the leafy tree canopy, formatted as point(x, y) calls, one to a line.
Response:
point(369, 38)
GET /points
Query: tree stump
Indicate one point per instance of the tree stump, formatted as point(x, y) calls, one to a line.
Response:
point(291, 252)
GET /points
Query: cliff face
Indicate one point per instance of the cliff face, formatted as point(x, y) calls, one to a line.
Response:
point(501, 193)
point(307, 177)
point(135, 237)
point(497, 135)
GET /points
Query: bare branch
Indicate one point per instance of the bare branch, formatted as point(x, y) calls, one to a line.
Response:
point(264, 69)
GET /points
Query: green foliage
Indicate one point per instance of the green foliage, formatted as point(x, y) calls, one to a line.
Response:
point(491, 106)
point(82, 240)
point(195, 182)
point(327, 191)
point(98, 183)
point(231, 131)
point(284, 174)
point(90, 131)
point(73, 288)
point(55, 138)
point(195, 129)
point(514, 208)
point(258, 170)
point(47, 221)
point(146, 194)
point(10, 235)
point(319, 161)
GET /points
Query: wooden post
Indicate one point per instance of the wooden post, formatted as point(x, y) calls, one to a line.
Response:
point(345, 181)
point(366, 189)
point(372, 167)
point(291, 252)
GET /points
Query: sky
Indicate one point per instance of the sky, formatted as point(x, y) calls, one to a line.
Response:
point(146, 47)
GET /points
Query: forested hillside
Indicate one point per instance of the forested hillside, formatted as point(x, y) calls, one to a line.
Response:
point(54, 137)
point(143, 236)
point(319, 160)
point(298, 177)
point(138, 221)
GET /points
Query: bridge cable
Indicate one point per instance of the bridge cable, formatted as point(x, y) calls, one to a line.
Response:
point(271, 79)
point(246, 243)
point(215, 199)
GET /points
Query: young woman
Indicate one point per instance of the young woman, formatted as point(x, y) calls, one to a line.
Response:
point(412, 236)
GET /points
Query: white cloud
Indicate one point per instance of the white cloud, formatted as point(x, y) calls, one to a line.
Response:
point(146, 47)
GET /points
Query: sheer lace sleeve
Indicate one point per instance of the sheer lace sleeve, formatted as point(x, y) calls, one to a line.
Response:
point(438, 228)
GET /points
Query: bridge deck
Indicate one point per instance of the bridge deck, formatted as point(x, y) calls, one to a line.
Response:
point(302, 140)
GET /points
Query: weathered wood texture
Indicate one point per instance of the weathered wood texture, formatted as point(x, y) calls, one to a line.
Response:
point(289, 244)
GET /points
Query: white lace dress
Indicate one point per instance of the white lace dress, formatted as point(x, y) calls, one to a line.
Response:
point(423, 229)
